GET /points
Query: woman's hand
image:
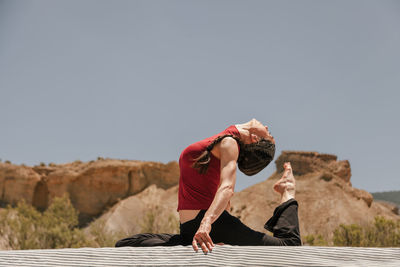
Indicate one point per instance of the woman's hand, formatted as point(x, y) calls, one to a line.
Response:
point(202, 237)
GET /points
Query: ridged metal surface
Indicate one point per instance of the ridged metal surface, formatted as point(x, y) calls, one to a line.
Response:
point(221, 256)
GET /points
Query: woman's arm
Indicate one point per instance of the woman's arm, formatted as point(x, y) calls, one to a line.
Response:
point(229, 153)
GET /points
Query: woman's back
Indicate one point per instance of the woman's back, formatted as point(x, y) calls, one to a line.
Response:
point(197, 191)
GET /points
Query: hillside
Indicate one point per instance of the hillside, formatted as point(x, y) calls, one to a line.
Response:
point(389, 196)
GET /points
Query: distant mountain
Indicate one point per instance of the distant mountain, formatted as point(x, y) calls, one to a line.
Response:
point(390, 196)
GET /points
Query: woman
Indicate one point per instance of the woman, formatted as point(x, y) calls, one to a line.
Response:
point(206, 185)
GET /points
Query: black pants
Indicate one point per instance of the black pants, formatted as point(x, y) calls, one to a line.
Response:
point(227, 229)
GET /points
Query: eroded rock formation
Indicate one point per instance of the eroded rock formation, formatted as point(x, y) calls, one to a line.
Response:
point(308, 162)
point(92, 186)
point(17, 183)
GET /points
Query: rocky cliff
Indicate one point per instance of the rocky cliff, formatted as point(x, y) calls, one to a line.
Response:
point(92, 186)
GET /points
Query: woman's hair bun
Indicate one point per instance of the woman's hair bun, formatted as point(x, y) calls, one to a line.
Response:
point(255, 157)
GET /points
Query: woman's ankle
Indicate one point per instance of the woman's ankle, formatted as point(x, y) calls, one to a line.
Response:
point(286, 195)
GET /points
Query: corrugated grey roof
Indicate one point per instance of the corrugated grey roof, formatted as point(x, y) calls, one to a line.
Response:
point(221, 256)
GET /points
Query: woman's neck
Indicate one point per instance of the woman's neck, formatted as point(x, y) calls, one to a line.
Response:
point(244, 131)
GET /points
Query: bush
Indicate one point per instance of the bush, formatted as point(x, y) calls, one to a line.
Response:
point(24, 227)
point(383, 233)
point(100, 237)
point(154, 223)
point(317, 240)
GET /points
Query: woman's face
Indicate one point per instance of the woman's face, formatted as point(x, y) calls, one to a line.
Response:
point(258, 131)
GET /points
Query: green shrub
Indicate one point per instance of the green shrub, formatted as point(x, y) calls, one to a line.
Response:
point(317, 240)
point(382, 233)
point(26, 228)
point(100, 237)
point(153, 223)
point(349, 235)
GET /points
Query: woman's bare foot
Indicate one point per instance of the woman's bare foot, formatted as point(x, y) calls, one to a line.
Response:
point(286, 186)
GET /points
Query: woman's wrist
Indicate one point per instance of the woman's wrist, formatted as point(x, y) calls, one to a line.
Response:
point(206, 220)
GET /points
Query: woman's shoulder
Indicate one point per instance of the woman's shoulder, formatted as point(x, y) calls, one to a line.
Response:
point(233, 130)
point(201, 145)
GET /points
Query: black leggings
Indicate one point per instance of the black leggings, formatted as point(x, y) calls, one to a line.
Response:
point(227, 229)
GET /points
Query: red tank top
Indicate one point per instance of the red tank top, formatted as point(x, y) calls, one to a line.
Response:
point(197, 191)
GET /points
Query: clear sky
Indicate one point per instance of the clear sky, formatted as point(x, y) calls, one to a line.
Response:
point(144, 79)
